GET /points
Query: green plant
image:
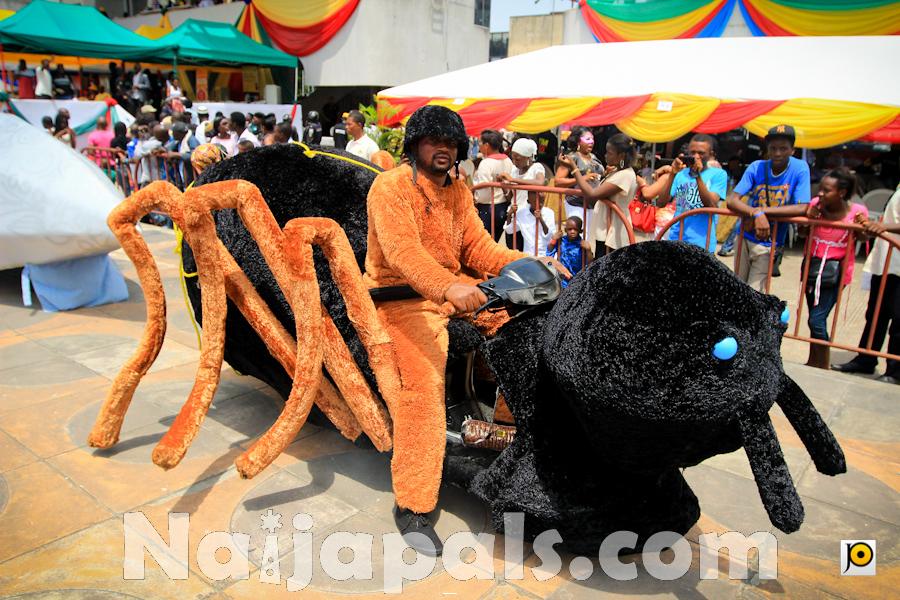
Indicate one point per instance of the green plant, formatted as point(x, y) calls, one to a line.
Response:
point(389, 139)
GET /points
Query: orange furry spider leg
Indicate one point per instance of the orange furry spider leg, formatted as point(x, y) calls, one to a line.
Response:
point(283, 347)
point(361, 312)
point(213, 260)
point(254, 212)
point(174, 444)
point(122, 219)
point(303, 297)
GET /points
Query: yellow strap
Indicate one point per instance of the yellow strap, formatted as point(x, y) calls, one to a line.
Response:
point(310, 153)
point(179, 237)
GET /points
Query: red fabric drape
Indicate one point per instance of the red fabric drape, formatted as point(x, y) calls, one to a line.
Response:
point(492, 114)
point(301, 41)
point(732, 115)
point(611, 110)
point(600, 31)
point(406, 106)
point(890, 133)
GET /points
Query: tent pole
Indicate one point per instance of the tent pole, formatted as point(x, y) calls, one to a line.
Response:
point(3, 67)
point(296, 81)
point(653, 157)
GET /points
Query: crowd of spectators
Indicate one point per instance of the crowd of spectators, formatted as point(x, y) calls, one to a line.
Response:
point(577, 227)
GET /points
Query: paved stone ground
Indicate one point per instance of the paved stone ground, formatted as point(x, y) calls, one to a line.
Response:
point(62, 503)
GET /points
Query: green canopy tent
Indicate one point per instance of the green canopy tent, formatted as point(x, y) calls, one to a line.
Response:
point(207, 43)
point(52, 28)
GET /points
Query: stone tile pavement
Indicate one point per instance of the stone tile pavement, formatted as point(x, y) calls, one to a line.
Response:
point(62, 503)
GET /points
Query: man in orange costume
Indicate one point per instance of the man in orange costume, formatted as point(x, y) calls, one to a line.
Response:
point(423, 231)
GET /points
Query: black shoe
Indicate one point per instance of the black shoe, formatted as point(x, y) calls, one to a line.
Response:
point(888, 379)
point(409, 522)
point(853, 367)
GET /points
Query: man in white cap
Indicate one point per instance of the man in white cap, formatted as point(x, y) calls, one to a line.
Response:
point(203, 121)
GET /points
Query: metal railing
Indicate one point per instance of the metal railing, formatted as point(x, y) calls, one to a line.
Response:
point(612, 209)
point(849, 255)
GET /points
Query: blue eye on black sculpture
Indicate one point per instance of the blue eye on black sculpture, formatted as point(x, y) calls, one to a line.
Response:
point(726, 348)
point(785, 316)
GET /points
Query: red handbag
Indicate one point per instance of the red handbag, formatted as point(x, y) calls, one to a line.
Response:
point(643, 216)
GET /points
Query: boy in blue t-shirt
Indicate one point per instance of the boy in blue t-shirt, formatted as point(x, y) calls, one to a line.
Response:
point(696, 185)
point(768, 187)
point(573, 249)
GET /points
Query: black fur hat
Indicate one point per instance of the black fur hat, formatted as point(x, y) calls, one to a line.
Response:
point(435, 121)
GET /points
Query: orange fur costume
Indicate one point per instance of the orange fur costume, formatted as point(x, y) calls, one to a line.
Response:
point(423, 236)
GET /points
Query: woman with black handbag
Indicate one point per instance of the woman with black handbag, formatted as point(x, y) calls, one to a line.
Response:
point(826, 276)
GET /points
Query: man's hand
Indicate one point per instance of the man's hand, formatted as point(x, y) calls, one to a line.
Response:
point(585, 245)
point(504, 177)
point(549, 260)
point(557, 236)
point(677, 165)
point(813, 211)
point(464, 298)
point(761, 226)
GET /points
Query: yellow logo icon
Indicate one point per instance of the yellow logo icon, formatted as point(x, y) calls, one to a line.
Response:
point(779, 129)
point(857, 557)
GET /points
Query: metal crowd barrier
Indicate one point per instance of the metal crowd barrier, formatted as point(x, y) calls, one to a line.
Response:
point(114, 163)
point(850, 255)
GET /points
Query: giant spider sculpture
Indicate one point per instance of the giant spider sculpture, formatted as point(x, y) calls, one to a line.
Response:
point(277, 236)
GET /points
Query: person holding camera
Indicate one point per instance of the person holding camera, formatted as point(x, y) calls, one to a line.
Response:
point(695, 184)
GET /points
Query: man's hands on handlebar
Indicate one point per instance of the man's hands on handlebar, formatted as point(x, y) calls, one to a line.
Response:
point(464, 298)
point(469, 298)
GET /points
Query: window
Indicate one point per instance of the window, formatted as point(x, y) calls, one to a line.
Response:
point(483, 13)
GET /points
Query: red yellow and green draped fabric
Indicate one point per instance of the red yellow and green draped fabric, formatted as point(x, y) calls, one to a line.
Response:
point(672, 19)
point(822, 17)
point(658, 20)
point(663, 117)
point(298, 28)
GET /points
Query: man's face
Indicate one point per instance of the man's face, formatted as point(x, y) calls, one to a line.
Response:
point(572, 230)
point(779, 150)
point(45, 63)
point(700, 149)
point(353, 128)
point(535, 201)
point(436, 154)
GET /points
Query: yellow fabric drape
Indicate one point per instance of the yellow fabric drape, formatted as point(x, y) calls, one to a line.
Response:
point(152, 32)
point(825, 123)
point(880, 20)
point(299, 14)
point(4, 14)
point(650, 124)
point(666, 29)
point(547, 113)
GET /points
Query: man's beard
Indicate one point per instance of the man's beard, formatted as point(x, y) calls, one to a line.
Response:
point(434, 170)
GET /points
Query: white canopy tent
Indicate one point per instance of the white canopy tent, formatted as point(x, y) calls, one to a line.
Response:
point(829, 88)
